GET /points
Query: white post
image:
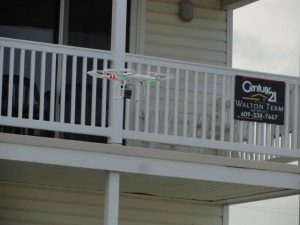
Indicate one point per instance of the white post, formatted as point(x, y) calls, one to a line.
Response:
point(229, 37)
point(118, 43)
point(111, 204)
point(225, 215)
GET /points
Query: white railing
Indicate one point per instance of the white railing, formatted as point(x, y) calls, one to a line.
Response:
point(193, 112)
point(196, 109)
point(57, 93)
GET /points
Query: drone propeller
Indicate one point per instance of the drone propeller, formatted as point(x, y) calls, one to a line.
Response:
point(97, 73)
point(161, 76)
point(112, 74)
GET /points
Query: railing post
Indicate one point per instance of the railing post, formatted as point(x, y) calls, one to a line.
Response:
point(111, 207)
point(118, 40)
point(298, 117)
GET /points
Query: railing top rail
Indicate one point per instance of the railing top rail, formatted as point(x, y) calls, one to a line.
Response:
point(191, 66)
point(54, 48)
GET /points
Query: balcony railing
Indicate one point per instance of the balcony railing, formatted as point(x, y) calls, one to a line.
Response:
point(46, 88)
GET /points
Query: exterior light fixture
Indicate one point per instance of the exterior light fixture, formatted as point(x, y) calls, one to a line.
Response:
point(185, 10)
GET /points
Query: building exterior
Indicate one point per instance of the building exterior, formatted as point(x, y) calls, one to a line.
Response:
point(173, 153)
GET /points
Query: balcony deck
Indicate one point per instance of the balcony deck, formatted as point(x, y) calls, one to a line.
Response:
point(192, 113)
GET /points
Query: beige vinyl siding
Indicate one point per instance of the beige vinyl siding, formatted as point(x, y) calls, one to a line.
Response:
point(23, 204)
point(201, 40)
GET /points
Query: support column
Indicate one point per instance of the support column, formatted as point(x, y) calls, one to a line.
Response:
point(118, 43)
point(111, 204)
point(225, 215)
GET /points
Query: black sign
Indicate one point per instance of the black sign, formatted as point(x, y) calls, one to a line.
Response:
point(259, 100)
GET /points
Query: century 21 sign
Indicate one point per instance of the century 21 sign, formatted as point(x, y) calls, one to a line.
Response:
point(259, 100)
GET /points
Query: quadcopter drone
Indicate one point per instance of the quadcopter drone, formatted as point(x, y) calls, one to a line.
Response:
point(128, 79)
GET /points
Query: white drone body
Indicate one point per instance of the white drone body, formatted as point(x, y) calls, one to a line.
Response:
point(128, 79)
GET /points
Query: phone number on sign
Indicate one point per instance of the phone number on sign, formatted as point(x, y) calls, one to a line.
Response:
point(258, 115)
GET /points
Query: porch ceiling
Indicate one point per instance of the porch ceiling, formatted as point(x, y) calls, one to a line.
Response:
point(168, 187)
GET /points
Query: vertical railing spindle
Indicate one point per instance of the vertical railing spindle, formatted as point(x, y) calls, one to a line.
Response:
point(186, 101)
point(167, 100)
point(53, 85)
point(83, 91)
point(73, 89)
point(10, 82)
point(204, 107)
point(213, 113)
point(176, 101)
point(195, 109)
point(222, 110)
point(42, 86)
point(32, 82)
point(296, 118)
point(21, 83)
point(63, 88)
point(94, 94)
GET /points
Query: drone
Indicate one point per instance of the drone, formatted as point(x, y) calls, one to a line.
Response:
point(128, 79)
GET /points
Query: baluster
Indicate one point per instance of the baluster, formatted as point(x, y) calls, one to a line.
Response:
point(83, 91)
point(94, 94)
point(195, 109)
point(32, 82)
point(167, 101)
point(176, 101)
point(63, 89)
point(128, 118)
point(42, 87)
point(222, 111)
point(157, 105)
point(10, 82)
point(213, 115)
point(186, 100)
point(232, 130)
point(104, 98)
point(147, 104)
point(286, 118)
point(21, 83)
point(73, 90)
point(204, 107)
point(137, 103)
point(295, 141)
point(53, 90)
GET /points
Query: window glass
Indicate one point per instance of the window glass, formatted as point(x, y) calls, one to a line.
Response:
point(90, 23)
point(35, 20)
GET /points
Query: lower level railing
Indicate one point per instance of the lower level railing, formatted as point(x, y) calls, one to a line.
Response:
point(46, 88)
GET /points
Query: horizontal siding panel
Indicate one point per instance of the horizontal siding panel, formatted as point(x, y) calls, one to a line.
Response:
point(24, 204)
point(187, 53)
point(182, 42)
point(166, 30)
point(171, 8)
point(52, 207)
point(196, 23)
point(53, 195)
point(176, 206)
point(154, 216)
point(46, 218)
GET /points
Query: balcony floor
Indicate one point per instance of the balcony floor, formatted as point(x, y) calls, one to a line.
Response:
point(145, 180)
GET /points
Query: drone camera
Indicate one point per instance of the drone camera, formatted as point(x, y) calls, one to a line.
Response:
point(127, 93)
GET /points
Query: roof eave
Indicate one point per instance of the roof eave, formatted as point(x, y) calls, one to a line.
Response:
point(234, 4)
